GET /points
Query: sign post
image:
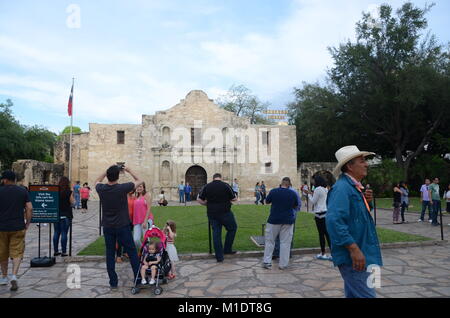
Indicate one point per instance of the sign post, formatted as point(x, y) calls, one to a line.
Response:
point(45, 201)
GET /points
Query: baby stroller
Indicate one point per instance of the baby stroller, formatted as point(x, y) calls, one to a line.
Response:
point(164, 266)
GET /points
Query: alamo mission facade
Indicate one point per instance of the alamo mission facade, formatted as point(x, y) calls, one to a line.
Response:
point(188, 142)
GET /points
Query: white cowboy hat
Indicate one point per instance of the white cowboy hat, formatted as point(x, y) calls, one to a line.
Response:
point(347, 153)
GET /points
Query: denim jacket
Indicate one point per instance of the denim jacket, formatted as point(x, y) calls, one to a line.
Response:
point(348, 221)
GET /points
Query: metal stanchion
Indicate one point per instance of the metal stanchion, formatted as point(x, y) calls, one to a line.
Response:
point(442, 225)
point(70, 241)
point(209, 235)
point(100, 218)
point(375, 210)
point(50, 240)
point(39, 241)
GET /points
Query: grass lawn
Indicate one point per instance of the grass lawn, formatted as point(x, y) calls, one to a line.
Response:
point(414, 204)
point(192, 229)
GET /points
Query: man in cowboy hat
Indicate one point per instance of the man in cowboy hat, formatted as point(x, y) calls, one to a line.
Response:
point(354, 241)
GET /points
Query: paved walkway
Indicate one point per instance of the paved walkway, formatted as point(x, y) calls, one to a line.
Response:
point(408, 272)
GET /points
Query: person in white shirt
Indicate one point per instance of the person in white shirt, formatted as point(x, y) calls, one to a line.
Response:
point(319, 200)
point(447, 199)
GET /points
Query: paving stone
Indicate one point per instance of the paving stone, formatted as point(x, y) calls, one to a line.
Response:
point(203, 283)
point(276, 278)
point(401, 289)
point(405, 295)
point(422, 271)
point(406, 280)
point(442, 290)
point(333, 293)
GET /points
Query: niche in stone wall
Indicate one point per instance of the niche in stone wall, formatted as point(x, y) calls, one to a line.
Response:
point(226, 171)
point(165, 173)
point(166, 136)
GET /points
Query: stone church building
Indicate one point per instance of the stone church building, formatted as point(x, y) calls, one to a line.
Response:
point(188, 142)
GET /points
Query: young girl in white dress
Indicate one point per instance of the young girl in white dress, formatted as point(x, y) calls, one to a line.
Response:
point(171, 231)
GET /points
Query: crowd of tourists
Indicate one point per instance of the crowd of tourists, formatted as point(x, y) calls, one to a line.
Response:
point(342, 213)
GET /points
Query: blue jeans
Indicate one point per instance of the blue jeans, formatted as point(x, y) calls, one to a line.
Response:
point(188, 197)
point(426, 204)
point(436, 209)
point(181, 196)
point(228, 221)
point(355, 283)
point(61, 230)
point(77, 200)
point(258, 197)
point(124, 237)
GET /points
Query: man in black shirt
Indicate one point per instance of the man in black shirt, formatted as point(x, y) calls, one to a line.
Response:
point(116, 220)
point(15, 207)
point(217, 196)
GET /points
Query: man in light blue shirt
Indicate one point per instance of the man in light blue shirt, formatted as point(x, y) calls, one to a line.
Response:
point(181, 192)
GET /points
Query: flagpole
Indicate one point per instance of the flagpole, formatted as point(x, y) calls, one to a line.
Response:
point(70, 147)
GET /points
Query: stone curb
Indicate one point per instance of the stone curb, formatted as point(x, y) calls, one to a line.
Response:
point(295, 251)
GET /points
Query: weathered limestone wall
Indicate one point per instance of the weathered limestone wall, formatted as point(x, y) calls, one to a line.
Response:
point(149, 149)
point(307, 170)
point(37, 172)
point(80, 151)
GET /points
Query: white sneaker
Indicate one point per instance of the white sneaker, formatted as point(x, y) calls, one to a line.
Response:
point(143, 282)
point(4, 281)
point(152, 282)
point(419, 220)
point(430, 221)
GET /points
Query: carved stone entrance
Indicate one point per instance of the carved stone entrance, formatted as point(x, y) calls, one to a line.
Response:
point(196, 177)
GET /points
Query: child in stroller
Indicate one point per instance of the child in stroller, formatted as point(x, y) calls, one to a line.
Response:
point(154, 259)
point(150, 260)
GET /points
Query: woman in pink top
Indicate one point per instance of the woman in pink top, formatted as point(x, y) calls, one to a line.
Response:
point(142, 214)
point(84, 193)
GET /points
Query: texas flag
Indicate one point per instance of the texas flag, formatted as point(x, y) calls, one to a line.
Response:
point(69, 107)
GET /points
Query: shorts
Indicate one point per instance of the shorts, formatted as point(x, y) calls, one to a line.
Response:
point(12, 245)
point(84, 203)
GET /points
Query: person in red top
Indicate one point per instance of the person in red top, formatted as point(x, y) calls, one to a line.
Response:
point(84, 194)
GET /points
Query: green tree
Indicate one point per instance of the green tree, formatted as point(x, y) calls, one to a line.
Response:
point(22, 142)
point(390, 88)
point(12, 139)
point(240, 100)
point(75, 130)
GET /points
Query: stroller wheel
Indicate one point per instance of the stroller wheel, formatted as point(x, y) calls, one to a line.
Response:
point(158, 291)
point(135, 290)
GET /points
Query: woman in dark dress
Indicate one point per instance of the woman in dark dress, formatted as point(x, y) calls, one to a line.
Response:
point(66, 200)
point(397, 203)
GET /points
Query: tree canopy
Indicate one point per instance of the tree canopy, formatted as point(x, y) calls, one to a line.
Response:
point(22, 142)
point(388, 92)
point(240, 100)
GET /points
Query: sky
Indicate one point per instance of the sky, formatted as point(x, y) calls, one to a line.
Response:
point(140, 56)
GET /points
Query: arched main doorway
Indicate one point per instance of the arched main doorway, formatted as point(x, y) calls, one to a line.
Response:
point(196, 177)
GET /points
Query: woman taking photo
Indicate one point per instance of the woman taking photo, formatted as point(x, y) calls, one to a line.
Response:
point(319, 201)
point(397, 203)
point(141, 214)
point(66, 200)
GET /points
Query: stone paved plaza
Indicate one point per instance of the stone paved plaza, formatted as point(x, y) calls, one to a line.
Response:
point(421, 271)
